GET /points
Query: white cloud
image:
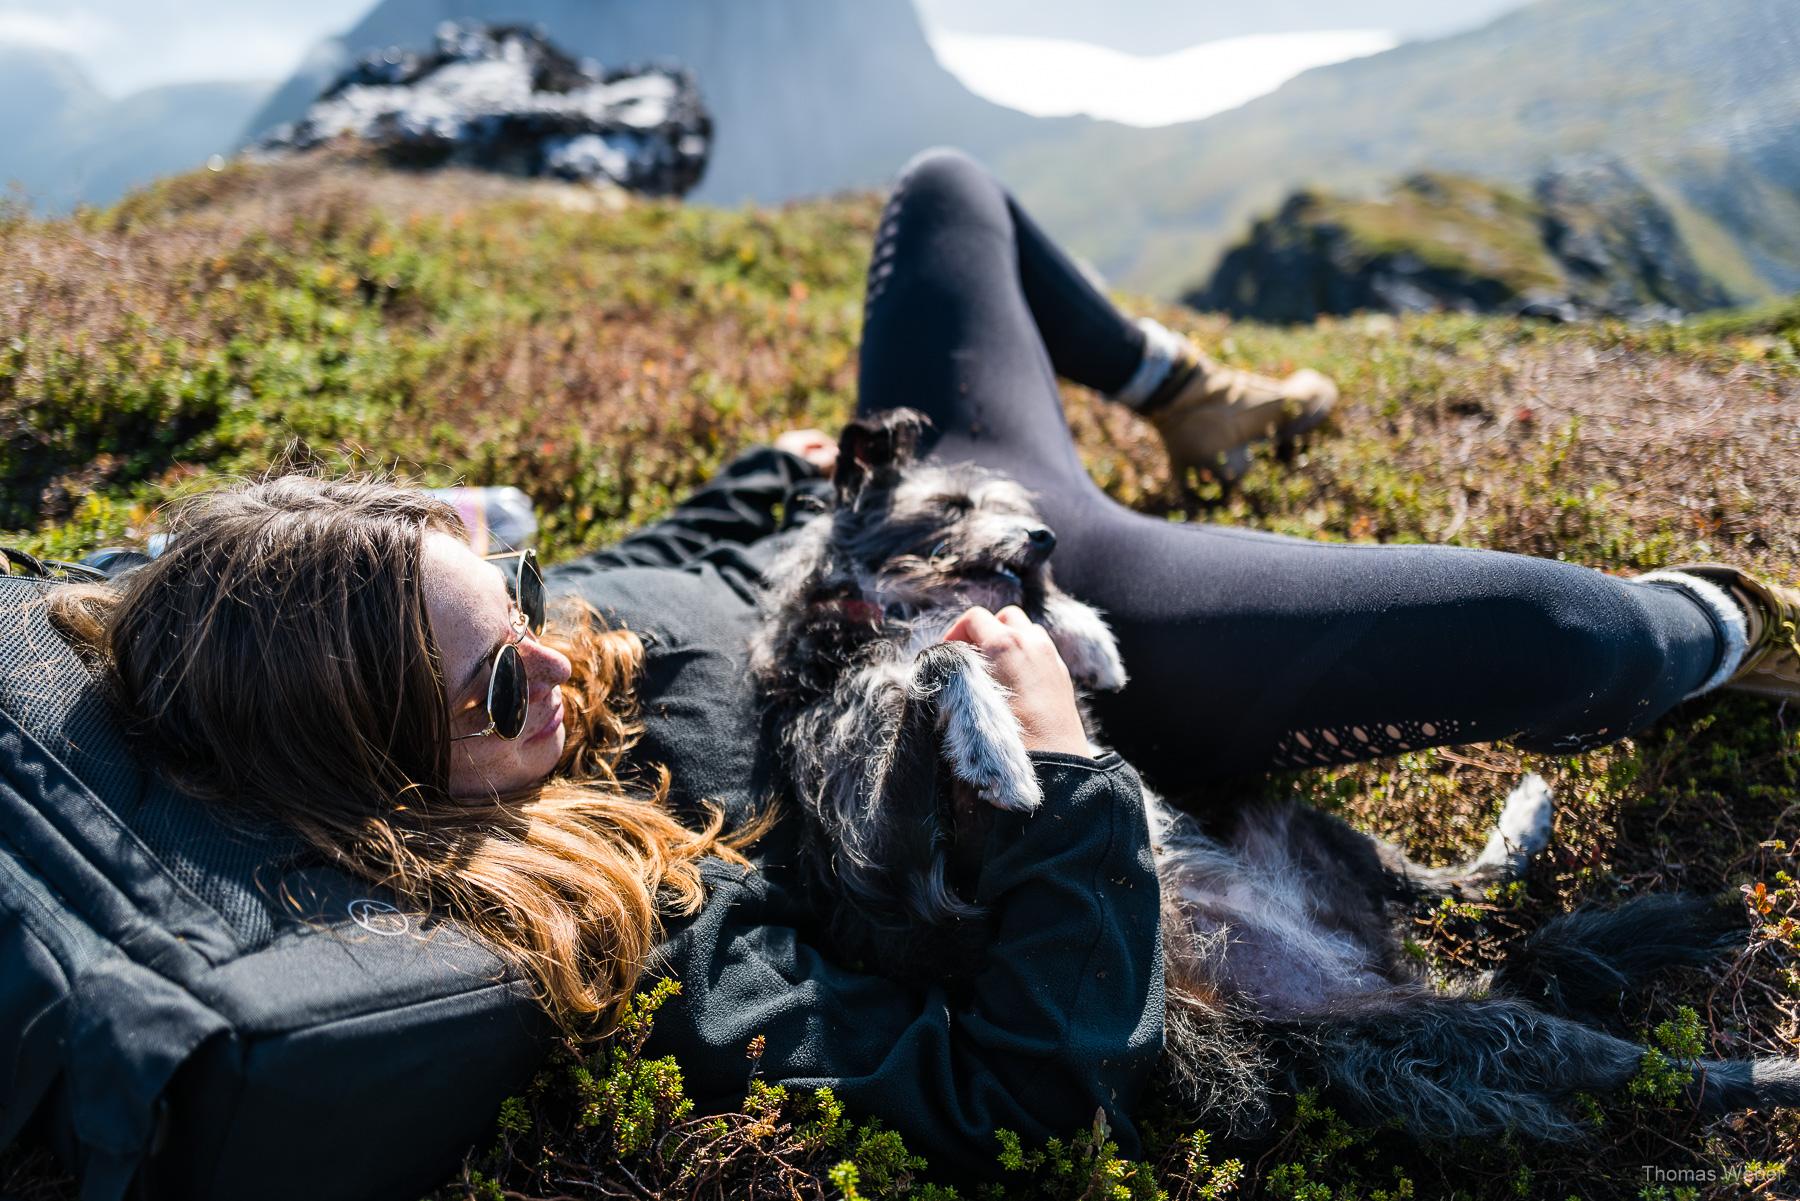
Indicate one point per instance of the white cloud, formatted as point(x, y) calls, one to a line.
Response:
point(1050, 77)
point(70, 32)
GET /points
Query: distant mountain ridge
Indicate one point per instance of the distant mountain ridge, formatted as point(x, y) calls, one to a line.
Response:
point(809, 96)
point(84, 147)
point(1700, 101)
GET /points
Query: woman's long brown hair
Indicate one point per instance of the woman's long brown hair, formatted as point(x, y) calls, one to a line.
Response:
point(277, 660)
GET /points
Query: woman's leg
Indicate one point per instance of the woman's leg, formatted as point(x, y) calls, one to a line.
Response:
point(1246, 650)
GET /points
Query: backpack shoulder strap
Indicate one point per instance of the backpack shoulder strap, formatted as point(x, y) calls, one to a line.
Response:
point(14, 561)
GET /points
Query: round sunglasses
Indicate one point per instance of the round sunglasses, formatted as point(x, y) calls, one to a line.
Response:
point(508, 692)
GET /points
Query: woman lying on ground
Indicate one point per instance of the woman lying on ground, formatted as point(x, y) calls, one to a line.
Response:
point(412, 715)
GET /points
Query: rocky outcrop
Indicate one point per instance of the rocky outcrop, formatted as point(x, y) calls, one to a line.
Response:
point(1589, 241)
point(1618, 245)
point(503, 98)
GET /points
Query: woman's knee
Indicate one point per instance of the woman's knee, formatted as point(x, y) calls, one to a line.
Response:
point(1601, 663)
point(946, 182)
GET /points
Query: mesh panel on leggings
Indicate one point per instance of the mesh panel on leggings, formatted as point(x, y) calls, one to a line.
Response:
point(1321, 746)
point(54, 696)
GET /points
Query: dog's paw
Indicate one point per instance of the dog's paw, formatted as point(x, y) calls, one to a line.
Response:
point(1007, 783)
point(1086, 644)
point(993, 762)
point(982, 738)
point(1524, 826)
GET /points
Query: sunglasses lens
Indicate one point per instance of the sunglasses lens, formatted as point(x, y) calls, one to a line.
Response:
point(531, 591)
point(507, 703)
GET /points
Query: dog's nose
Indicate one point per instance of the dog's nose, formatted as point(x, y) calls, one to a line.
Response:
point(1042, 540)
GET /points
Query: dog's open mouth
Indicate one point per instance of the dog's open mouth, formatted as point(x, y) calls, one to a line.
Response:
point(848, 605)
point(986, 574)
point(976, 572)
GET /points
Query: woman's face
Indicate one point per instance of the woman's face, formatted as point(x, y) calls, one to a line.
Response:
point(471, 617)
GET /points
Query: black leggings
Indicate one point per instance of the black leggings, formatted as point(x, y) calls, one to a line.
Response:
point(1246, 650)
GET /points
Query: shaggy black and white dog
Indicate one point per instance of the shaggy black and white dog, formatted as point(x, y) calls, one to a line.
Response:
point(1283, 958)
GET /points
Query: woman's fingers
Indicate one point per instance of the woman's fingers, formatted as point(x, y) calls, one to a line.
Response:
point(1022, 658)
point(815, 446)
point(979, 626)
point(1028, 632)
point(976, 626)
point(1014, 616)
point(1008, 630)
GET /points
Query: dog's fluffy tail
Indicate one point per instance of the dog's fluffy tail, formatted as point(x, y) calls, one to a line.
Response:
point(1726, 1085)
point(1583, 962)
point(1471, 1067)
point(1461, 1067)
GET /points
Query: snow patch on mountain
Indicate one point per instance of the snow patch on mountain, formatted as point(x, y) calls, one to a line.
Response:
point(1051, 77)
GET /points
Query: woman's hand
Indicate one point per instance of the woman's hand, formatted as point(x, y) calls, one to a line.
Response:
point(1022, 657)
point(815, 446)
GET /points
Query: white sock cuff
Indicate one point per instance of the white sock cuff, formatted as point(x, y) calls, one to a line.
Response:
point(1730, 615)
point(1161, 347)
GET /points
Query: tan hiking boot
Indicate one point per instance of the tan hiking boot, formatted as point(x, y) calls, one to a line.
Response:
point(1212, 413)
point(1771, 663)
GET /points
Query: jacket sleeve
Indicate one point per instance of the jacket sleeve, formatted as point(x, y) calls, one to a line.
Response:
point(1064, 1017)
point(738, 505)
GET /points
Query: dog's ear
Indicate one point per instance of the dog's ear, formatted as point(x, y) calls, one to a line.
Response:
point(873, 449)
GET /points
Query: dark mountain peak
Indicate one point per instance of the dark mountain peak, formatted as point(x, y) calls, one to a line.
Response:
point(505, 98)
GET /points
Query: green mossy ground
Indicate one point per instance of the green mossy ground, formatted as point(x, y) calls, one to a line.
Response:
point(607, 358)
point(1456, 225)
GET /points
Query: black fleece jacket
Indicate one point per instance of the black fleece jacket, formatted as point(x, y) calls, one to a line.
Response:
point(1063, 1017)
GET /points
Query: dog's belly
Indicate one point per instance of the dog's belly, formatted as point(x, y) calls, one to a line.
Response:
point(1264, 966)
point(1248, 927)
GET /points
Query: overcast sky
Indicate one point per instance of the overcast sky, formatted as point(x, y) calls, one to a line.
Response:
point(130, 44)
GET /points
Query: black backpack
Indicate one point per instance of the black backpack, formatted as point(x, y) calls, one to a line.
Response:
point(194, 1010)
